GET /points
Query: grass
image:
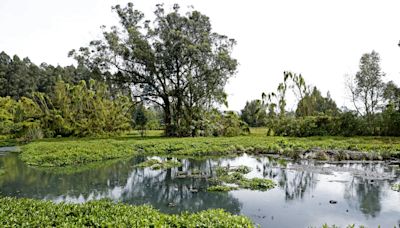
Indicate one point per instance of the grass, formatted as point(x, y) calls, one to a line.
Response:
point(66, 152)
point(36, 213)
point(156, 164)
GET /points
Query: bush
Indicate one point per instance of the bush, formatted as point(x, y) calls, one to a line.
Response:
point(215, 123)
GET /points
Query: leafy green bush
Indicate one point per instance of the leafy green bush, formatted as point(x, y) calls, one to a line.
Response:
point(35, 213)
point(215, 123)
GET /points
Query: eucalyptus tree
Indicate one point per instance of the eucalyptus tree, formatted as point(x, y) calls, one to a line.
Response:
point(17, 76)
point(367, 86)
point(175, 61)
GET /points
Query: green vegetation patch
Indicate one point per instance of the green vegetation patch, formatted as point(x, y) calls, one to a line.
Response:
point(232, 176)
point(257, 184)
point(256, 144)
point(396, 187)
point(242, 169)
point(221, 188)
point(2, 172)
point(65, 153)
point(36, 213)
point(156, 164)
point(7, 142)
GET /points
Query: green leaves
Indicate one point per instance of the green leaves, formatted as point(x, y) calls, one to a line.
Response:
point(58, 154)
point(396, 187)
point(175, 61)
point(35, 213)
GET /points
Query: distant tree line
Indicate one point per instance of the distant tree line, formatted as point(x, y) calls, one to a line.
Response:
point(376, 106)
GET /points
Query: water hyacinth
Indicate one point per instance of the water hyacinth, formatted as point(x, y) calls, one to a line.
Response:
point(35, 213)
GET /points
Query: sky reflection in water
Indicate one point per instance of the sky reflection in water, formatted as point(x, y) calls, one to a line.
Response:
point(362, 191)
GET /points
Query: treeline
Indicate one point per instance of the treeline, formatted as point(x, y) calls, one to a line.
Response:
point(167, 74)
point(70, 110)
point(376, 110)
point(47, 101)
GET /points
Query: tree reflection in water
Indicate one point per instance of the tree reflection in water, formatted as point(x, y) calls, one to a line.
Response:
point(294, 183)
point(363, 193)
point(120, 181)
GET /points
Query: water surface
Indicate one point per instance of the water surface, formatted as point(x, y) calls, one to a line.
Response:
point(301, 199)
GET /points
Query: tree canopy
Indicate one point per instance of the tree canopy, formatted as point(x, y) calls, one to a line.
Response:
point(175, 61)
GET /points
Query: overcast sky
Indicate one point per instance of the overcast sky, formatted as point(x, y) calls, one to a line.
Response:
point(322, 40)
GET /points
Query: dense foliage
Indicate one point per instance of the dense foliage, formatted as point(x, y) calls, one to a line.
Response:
point(71, 110)
point(254, 113)
point(35, 213)
point(19, 78)
point(175, 61)
point(377, 107)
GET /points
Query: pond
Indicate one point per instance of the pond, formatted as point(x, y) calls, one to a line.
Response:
point(308, 193)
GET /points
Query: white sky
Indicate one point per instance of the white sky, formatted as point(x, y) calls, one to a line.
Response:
point(322, 40)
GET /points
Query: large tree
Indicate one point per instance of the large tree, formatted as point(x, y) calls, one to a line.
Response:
point(367, 87)
point(175, 61)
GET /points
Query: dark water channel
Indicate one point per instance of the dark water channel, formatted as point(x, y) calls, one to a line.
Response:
point(301, 199)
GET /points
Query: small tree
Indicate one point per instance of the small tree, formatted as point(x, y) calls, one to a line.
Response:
point(254, 113)
point(367, 86)
point(140, 118)
point(314, 104)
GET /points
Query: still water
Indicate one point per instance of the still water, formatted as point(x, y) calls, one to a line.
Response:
point(301, 199)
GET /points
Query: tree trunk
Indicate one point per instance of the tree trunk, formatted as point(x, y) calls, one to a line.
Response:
point(169, 129)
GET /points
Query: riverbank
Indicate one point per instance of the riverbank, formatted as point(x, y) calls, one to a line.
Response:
point(69, 152)
point(38, 213)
